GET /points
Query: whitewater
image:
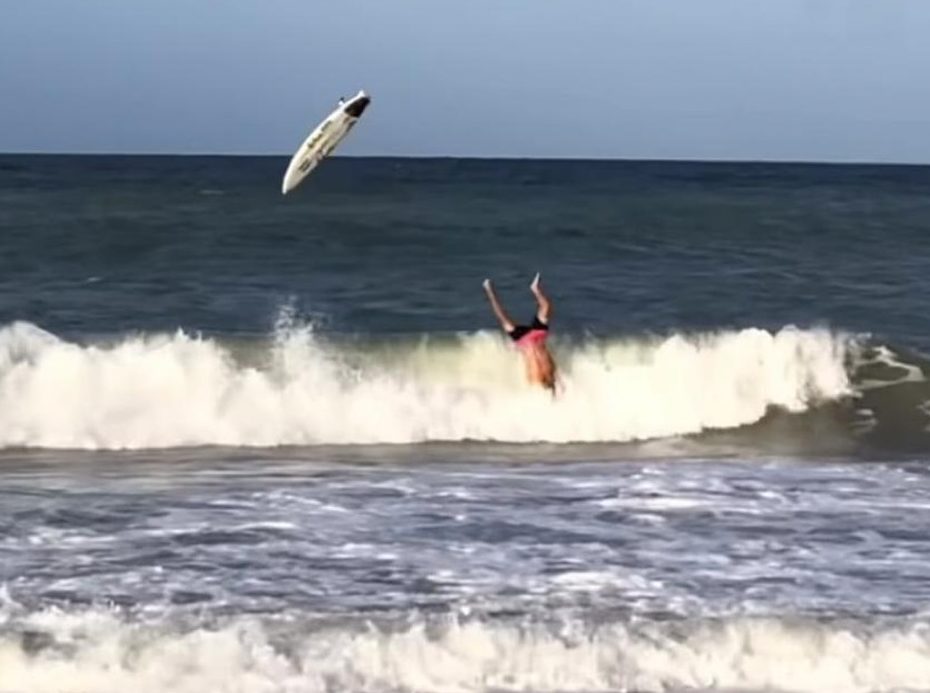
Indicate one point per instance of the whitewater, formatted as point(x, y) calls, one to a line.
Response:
point(465, 655)
point(300, 387)
point(463, 574)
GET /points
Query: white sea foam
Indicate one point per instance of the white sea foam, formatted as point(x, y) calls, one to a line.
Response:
point(175, 389)
point(98, 652)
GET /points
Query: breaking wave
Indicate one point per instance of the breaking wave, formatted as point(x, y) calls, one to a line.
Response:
point(299, 388)
point(99, 651)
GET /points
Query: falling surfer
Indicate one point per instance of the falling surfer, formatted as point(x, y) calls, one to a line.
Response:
point(529, 339)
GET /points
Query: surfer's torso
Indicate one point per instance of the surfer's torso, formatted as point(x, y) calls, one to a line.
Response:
point(531, 341)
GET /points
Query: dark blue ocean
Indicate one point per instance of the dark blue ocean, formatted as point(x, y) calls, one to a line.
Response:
point(377, 246)
point(261, 443)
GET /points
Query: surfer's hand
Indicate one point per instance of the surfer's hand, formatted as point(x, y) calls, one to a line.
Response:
point(486, 284)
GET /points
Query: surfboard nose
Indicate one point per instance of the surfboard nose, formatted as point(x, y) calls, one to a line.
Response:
point(357, 106)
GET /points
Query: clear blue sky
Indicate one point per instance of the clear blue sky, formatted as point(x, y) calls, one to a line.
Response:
point(834, 80)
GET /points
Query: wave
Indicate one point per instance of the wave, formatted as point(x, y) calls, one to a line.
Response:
point(300, 388)
point(100, 651)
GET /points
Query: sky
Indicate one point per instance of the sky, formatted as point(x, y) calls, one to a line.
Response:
point(799, 80)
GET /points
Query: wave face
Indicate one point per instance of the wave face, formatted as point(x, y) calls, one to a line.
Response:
point(156, 391)
point(98, 651)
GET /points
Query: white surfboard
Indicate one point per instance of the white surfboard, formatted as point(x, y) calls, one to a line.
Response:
point(324, 139)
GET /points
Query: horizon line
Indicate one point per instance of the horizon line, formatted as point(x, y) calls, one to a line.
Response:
point(480, 157)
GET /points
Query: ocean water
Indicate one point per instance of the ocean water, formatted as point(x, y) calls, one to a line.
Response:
point(261, 443)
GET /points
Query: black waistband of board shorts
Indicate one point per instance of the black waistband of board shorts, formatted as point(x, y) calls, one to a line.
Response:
point(520, 331)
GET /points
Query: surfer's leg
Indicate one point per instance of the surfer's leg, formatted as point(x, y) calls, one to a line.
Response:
point(502, 317)
point(543, 305)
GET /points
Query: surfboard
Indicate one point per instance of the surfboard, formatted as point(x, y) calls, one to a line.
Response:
point(323, 140)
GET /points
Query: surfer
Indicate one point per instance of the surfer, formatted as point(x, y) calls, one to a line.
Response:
point(531, 339)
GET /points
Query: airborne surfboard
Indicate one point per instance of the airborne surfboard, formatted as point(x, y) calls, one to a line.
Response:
point(323, 140)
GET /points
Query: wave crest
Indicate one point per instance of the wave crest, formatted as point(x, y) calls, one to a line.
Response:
point(169, 390)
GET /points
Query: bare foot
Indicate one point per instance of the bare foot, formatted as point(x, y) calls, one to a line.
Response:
point(534, 285)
